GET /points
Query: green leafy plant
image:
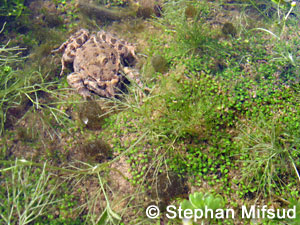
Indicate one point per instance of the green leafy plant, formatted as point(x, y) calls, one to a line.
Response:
point(199, 200)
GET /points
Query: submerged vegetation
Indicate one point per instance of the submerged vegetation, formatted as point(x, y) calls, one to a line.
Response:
point(12, 8)
point(219, 125)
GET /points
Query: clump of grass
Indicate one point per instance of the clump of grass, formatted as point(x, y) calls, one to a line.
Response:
point(192, 34)
point(268, 154)
point(31, 191)
point(9, 54)
point(285, 51)
point(19, 89)
point(23, 87)
point(27, 194)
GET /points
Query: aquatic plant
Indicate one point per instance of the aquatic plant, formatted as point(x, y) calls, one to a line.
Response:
point(9, 54)
point(200, 201)
point(268, 152)
point(31, 191)
point(113, 2)
point(286, 53)
point(11, 7)
point(8, 83)
point(27, 193)
point(193, 34)
point(19, 88)
point(283, 3)
point(295, 202)
point(199, 120)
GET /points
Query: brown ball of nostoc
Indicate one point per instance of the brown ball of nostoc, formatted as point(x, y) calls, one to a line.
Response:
point(190, 11)
point(149, 8)
point(229, 29)
point(159, 63)
point(91, 115)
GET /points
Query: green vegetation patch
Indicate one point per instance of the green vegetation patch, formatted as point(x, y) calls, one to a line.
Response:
point(222, 113)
